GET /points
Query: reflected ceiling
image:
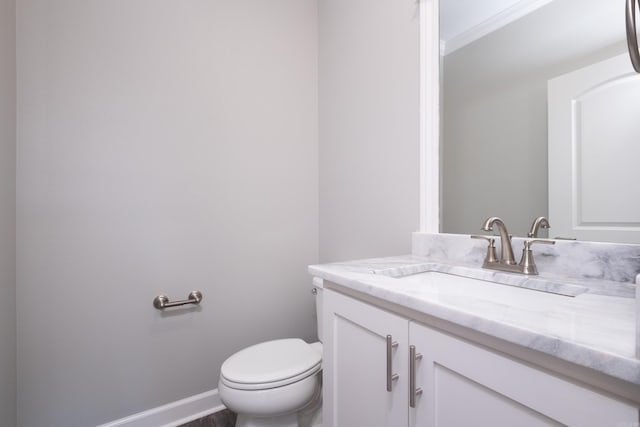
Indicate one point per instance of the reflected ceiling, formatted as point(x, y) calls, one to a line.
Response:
point(459, 18)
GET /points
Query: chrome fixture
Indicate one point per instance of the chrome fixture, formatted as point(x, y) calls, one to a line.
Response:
point(506, 261)
point(391, 377)
point(491, 256)
point(527, 265)
point(161, 301)
point(506, 251)
point(538, 223)
point(414, 391)
point(632, 38)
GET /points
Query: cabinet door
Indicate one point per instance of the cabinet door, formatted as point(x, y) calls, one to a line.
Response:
point(355, 364)
point(464, 384)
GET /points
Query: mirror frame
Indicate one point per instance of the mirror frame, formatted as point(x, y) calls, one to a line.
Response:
point(429, 23)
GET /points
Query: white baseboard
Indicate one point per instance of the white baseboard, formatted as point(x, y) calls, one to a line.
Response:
point(175, 413)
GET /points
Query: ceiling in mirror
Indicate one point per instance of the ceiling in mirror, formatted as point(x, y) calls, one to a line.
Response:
point(463, 21)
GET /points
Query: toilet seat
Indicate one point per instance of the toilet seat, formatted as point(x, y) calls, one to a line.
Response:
point(271, 364)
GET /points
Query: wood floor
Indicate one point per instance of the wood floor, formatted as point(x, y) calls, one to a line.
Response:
point(224, 418)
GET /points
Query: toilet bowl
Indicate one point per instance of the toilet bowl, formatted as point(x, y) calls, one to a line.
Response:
point(275, 383)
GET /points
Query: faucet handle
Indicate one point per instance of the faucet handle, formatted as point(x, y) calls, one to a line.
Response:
point(527, 264)
point(529, 243)
point(491, 256)
point(489, 239)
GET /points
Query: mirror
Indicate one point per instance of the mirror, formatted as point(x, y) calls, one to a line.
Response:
point(494, 100)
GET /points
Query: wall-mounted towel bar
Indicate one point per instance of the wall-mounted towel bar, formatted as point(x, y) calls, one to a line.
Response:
point(632, 38)
point(162, 301)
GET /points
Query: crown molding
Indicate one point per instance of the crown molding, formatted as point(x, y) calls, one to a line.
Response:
point(507, 16)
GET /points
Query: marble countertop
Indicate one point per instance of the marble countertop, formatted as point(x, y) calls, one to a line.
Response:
point(590, 323)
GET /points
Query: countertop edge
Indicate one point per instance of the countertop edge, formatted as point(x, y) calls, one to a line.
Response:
point(619, 367)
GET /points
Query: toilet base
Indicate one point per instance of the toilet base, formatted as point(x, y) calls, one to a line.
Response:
point(310, 416)
point(291, 420)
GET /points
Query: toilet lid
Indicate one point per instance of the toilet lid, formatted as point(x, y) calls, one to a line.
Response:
point(271, 364)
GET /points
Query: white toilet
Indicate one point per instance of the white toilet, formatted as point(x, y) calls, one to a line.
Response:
point(276, 383)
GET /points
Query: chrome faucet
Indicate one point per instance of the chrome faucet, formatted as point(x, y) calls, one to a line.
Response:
point(506, 251)
point(506, 262)
point(538, 223)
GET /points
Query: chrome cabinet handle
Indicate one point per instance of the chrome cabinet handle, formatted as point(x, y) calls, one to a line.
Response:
point(390, 375)
point(413, 390)
point(632, 39)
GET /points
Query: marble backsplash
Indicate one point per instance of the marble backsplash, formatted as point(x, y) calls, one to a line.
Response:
point(571, 259)
point(584, 261)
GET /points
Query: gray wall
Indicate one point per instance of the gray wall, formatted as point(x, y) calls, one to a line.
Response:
point(369, 166)
point(163, 146)
point(7, 213)
point(494, 99)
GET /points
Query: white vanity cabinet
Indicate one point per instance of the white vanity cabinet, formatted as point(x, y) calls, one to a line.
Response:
point(355, 367)
point(465, 384)
point(462, 383)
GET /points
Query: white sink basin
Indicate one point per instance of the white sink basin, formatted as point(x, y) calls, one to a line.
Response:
point(470, 276)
